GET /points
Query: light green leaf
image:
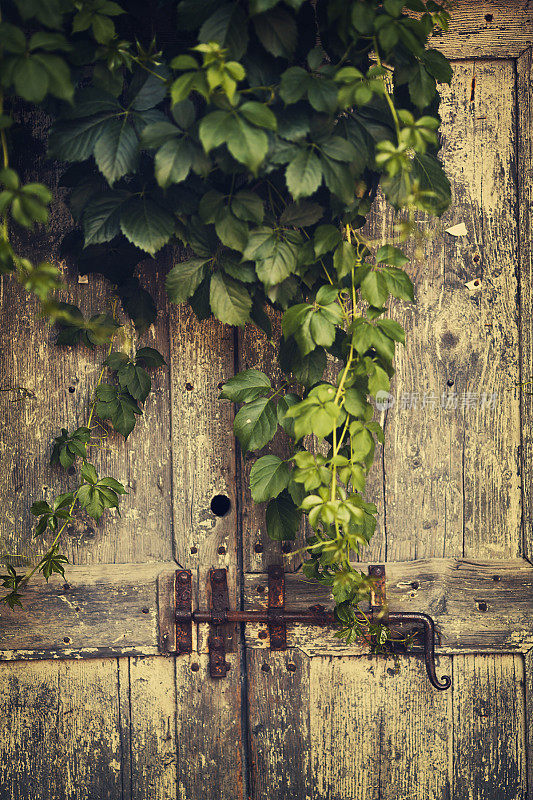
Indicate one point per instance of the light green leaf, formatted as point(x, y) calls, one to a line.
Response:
point(259, 114)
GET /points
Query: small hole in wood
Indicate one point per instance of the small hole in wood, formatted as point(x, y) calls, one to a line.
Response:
point(66, 640)
point(220, 384)
point(258, 548)
point(482, 606)
point(66, 587)
point(189, 387)
point(477, 259)
point(477, 282)
point(260, 589)
point(415, 584)
point(489, 17)
point(263, 634)
point(450, 382)
point(145, 610)
point(71, 389)
point(195, 666)
point(286, 548)
point(291, 666)
point(194, 550)
point(77, 608)
point(220, 505)
point(221, 550)
point(265, 667)
point(496, 578)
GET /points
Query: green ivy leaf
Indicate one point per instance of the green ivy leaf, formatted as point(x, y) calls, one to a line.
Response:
point(184, 278)
point(230, 301)
point(304, 174)
point(282, 518)
point(268, 477)
point(277, 32)
point(146, 224)
point(255, 424)
point(246, 386)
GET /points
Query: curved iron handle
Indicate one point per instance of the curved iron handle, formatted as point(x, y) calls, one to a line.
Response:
point(428, 627)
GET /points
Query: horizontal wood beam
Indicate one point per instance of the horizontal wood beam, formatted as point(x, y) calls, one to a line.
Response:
point(478, 606)
point(487, 29)
point(116, 609)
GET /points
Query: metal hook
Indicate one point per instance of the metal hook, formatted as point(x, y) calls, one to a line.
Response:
point(428, 632)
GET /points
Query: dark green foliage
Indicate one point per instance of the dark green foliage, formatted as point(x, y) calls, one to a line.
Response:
point(261, 152)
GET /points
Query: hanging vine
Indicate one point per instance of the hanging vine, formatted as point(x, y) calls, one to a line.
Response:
point(255, 133)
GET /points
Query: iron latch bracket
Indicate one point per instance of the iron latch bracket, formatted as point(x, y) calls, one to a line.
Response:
point(277, 617)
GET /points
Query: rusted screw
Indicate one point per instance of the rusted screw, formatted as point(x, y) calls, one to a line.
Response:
point(183, 577)
point(276, 571)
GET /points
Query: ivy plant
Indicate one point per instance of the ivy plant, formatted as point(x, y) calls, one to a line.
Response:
point(257, 135)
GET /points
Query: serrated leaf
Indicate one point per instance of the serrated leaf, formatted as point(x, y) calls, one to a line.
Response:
point(268, 477)
point(303, 174)
point(374, 288)
point(246, 386)
point(230, 301)
point(255, 424)
point(282, 518)
point(146, 224)
point(116, 149)
point(150, 357)
point(184, 278)
point(277, 32)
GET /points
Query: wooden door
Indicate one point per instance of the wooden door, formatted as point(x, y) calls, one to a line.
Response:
point(93, 709)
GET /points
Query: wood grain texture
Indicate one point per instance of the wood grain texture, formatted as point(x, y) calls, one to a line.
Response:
point(209, 736)
point(487, 29)
point(376, 733)
point(203, 447)
point(476, 605)
point(63, 740)
point(103, 609)
point(154, 766)
point(489, 731)
point(525, 206)
point(279, 703)
point(451, 473)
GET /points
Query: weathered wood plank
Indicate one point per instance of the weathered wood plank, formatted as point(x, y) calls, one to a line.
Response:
point(477, 605)
point(525, 206)
point(451, 480)
point(102, 610)
point(487, 29)
point(63, 739)
point(203, 449)
point(112, 609)
point(489, 729)
point(376, 733)
point(209, 734)
point(278, 700)
point(153, 729)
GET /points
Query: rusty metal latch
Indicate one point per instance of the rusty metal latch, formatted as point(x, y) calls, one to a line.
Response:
point(277, 617)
